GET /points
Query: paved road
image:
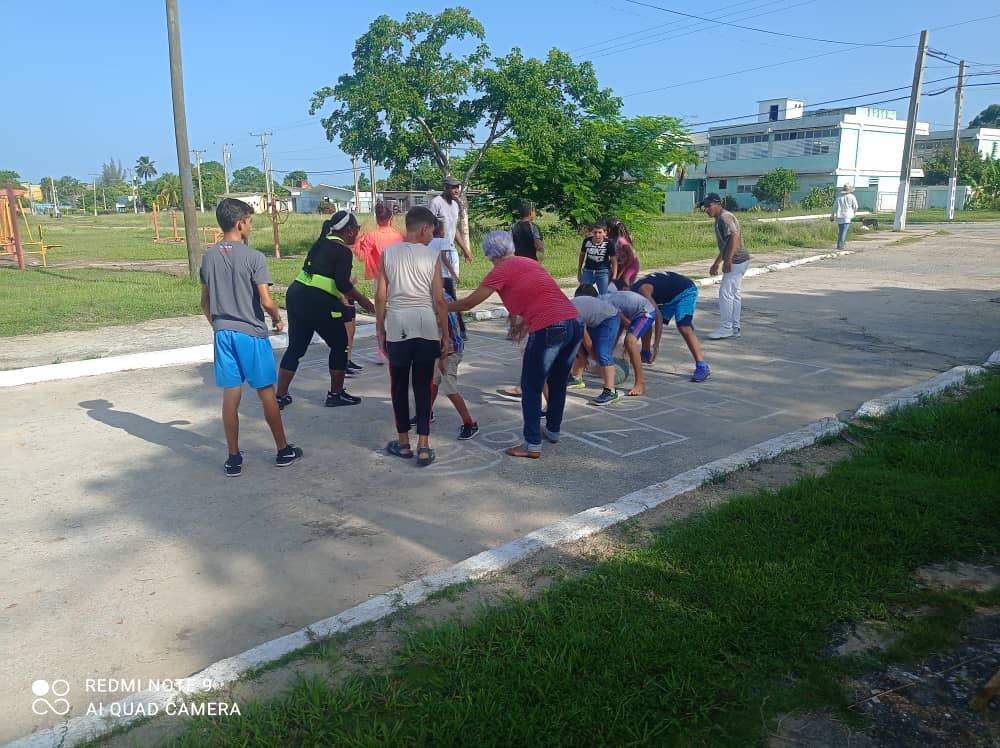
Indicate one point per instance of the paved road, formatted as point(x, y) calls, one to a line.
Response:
point(127, 554)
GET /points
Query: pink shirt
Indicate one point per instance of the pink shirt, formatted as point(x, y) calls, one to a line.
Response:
point(528, 291)
point(372, 245)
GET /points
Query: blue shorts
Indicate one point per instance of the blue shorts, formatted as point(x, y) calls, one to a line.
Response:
point(243, 358)
point(639, 325)
point(681, 307)
point(603, 339)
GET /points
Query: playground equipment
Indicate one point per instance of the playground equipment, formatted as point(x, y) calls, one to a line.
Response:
point(12, 243)
point(216, 234)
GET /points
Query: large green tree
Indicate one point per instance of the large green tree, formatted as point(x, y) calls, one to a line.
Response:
point(937, 168)
point(293, 177)
point(776, 187)
point(423, 175)
point(248, 179)
point(112, 173)
point(604, 167)
point(9, 176)
point(427, 83)
point(989, 117)
point(213, 182)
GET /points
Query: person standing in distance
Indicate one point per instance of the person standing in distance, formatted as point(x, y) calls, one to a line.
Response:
point(527, 236)
point(446, 209)
point(733, 260)
point(844, 208)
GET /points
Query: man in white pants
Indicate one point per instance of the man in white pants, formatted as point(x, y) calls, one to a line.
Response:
point(733, 260)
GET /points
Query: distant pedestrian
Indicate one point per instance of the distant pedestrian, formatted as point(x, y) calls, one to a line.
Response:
point(597, 265)
point(445, 208)
point(733, 260)
point(374, 242)
point(626, 259)
point(675, 297)
point(554, 328)
point(320, 301)
point(526, 234)
point(235, 293)
point(844, 208)
point(411, 323)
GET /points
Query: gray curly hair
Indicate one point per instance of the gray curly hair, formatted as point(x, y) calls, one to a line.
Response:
point(498, 244)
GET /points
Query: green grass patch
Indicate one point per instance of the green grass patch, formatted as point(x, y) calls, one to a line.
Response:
point(698, 638)
point(934, 215)
point(49, 300)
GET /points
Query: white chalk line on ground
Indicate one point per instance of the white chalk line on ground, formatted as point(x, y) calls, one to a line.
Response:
point(201, 354)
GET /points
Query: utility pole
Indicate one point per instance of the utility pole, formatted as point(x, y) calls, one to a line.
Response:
point(371, 170)
point(270, 200)
point(181, 137)
point(225, 163)
point(903, 194)
point(357, 192)
point(31, 198)
point(953, 178)
point(55, 196)
point(94, 185)
point(201, 194)
point(263, 155)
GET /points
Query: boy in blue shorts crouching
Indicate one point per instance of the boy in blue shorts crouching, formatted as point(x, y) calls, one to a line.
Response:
point(675, 297)
point(235, 291)
point(638, 315)
point(601, 321)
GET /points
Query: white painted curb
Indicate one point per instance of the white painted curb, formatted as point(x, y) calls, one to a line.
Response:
point(910, 395)
point(775, 266)
point(584, 524)
point(198, 354)
point(993, 360)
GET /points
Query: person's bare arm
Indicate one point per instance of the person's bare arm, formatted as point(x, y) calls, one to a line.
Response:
point(474, 299)
point(447, 264)
point(268, 304)
point(206, 303)
point(381, 295)
point(461, 245)
point(441, 307)
point(539, 249)
point(614, 267)
point(647, 290)
point(579, 264)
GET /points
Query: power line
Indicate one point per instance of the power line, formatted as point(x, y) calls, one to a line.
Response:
point(768, 31)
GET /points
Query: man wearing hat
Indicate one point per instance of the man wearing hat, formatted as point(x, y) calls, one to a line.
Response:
point(445, 209)
point(733, 260)
point(844, 208)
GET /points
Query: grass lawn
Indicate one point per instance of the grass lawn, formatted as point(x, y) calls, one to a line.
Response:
point(49, 300)
point(701, 637)
point(933, 215)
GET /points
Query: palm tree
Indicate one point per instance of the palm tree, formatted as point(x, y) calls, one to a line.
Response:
point(145, 169)
point(169, 190)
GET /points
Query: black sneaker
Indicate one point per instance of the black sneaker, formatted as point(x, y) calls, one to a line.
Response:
point(234, 465)
point(350, 373)
point(288, 455)
point(341, 398)
point(351, 366)
point(468, 430)
point(283, 400)
point(413, 421)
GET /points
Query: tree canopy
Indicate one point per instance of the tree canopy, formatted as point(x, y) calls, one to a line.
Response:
point(776, 187)
point(294, 177)
point(611, 166)
point(112, 173)
point(248, 179)
point(145, 168)
point(937, 168)
point(989, 117)
point(8, 175)
point(412, 95)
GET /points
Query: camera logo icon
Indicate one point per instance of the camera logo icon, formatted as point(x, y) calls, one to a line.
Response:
point(56, 689)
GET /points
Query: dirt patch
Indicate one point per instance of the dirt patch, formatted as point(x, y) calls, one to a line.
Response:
point(972, 577)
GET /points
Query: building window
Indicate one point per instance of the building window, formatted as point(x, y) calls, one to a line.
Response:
point(746, 189)
point(722, 149)
point(723, 184)
point(753, 146)
point(873, 183)
point(772, 113)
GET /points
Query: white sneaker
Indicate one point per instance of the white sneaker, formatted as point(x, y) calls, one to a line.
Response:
point(722, 332)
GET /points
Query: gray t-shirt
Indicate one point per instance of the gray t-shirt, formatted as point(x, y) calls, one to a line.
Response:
point(630, 303)
point(593, 310)
point(725, 226)
point(232, 271)
point(448, 214)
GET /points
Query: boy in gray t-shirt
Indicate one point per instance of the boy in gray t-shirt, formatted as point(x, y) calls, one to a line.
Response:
point(235, 293)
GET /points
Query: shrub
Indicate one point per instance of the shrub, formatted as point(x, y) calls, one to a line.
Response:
point(729, 203)
point(820, 198)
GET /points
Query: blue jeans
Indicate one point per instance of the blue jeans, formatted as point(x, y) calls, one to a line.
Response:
point(548, 357)
point(597, 278)
point(842, 234)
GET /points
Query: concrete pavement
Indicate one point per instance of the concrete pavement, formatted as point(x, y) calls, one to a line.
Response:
point(129, 555)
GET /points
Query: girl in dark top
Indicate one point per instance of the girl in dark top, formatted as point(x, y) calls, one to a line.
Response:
point(313, 303)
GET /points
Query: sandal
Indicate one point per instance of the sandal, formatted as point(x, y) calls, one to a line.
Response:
point(398, 449)
point(424, 461)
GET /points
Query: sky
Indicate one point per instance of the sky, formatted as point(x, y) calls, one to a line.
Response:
point(92, 80)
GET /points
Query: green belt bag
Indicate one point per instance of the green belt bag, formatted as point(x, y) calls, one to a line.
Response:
point(323, 283)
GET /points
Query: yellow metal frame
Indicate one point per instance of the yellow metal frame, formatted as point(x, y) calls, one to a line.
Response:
point(28, 240)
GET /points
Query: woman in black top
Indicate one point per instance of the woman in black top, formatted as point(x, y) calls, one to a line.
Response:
point(313, 303)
